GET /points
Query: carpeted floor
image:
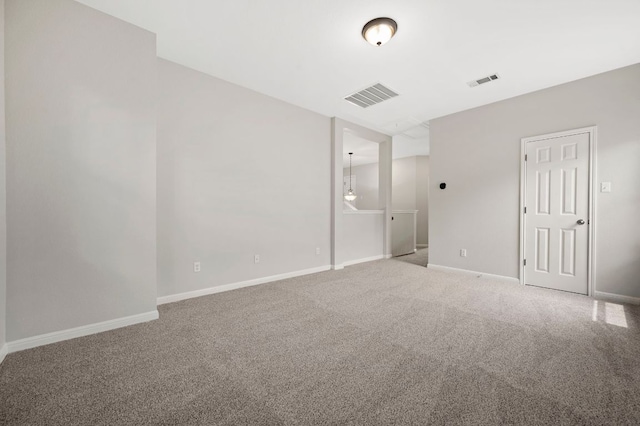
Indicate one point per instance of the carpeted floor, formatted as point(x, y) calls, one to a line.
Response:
point(420, 257)
point(384, 342)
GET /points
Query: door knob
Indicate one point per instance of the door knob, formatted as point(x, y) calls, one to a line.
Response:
point(580, 222)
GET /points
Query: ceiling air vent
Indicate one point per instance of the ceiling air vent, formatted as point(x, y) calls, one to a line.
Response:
point(371, 96)
point(483, 80)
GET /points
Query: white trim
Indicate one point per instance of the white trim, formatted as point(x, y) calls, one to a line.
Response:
point(422, 245)
point(234, 286)
point(337, 267)
point(85, 330)
point(441, 268)
point(357, 212)
point(617, 297)
point(363, 260)
point(3, 352)
point(388, 256)
point(591, 245)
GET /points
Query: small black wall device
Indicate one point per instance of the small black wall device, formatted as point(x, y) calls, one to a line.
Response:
point(443, 185)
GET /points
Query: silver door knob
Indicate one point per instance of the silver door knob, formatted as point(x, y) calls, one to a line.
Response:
point(580, 222)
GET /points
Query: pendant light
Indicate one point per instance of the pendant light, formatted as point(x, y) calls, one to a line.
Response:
point(350, 194)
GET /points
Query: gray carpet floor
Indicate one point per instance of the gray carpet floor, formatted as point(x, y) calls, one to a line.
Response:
point(384, 342)
point(420, 257)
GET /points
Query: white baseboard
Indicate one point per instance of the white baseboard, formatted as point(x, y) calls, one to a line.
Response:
point(388, 256)
point(617, 297)
point(72, 333)
point(337, 267)
point(234, 286)
point(3, 352)
point(468, 272)
point(364, 259)
point(422, 245)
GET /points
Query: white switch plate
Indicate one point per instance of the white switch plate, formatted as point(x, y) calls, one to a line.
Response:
point(256, 258)
point(317, 250)
point(196, 266)
point(463, 253)
point(605, 186)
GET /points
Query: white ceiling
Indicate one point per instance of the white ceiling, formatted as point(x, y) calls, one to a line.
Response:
point(310, 53)
point(364, 151)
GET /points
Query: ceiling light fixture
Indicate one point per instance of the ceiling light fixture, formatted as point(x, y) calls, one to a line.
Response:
point(379, 31)
point(350, 196)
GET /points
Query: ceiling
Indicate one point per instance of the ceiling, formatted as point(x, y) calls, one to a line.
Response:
point(364, 151)
point(311, 53)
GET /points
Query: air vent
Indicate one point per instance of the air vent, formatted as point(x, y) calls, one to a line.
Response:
point(483, 80)
point(371, 96)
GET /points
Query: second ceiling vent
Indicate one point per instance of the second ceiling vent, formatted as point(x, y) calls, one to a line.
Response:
point(483, 80)
point(371, 96)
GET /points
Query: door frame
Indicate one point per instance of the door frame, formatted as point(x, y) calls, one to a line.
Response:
point(592, 193)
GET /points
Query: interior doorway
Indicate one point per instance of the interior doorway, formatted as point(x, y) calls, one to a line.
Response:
point(557, 212)
point(410, 194)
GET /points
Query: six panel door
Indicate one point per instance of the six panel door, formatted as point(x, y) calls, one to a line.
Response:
point(557, 208)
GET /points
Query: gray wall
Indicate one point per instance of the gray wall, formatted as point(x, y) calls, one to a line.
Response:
point(3, 191)
point(477, 153)
point(367, 186)
point(80, 109)
point(404, 183)
point(239, 173)
point(410, 189)
point(422, 199)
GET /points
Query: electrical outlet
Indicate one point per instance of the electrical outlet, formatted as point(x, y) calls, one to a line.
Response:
point(196, 266)
point(605, 186)
point(256, 258)
point(463, 252)
point(317, 250)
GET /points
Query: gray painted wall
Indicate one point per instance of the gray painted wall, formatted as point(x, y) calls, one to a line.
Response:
point(239, 174)
point(3, 192)
point(81, 119)
point(367, 177)
point(404, 183)
point(422, 199)
point(410, 189)
point(477, 153)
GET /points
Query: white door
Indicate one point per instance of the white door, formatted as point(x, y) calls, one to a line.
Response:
point(557, 209)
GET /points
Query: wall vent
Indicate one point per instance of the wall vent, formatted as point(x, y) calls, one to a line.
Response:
point(371, 96)
point(483, 80)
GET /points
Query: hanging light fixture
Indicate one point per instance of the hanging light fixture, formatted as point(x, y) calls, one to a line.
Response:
point(379, 31)
point(350, 196)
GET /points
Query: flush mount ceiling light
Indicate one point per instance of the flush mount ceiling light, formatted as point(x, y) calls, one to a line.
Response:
point(379, 31)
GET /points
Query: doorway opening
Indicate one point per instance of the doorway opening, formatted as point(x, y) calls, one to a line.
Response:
point(410, 195)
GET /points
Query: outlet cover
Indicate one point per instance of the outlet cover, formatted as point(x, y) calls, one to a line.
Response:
point(196, 266)
point(256, 258)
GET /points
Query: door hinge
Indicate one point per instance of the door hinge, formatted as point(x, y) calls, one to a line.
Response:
point(525, 262)
point(525, 210)
point(525, 157)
